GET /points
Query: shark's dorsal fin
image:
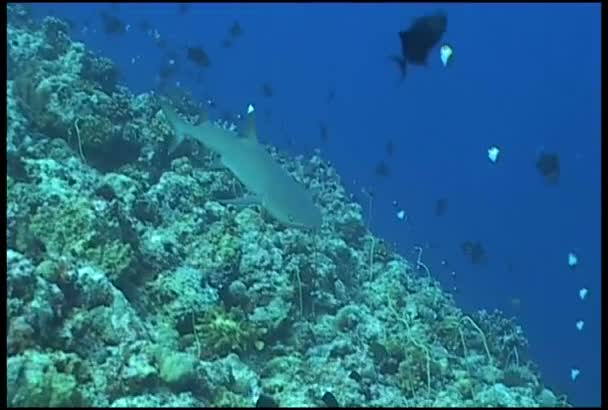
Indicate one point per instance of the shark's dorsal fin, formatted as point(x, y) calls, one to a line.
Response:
point(205, 111)
point(204, 115)
point(250, 127)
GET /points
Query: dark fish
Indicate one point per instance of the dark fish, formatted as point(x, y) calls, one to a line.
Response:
point(355, 376)
point(169, 66)
point(210, 103)
point(382, 169)
point(144, 26)
point(165, 72)
point(160, 42)
point(441, 206)
point(330, 400)
point(432, 245)
point(368, 192)
point(71, 23)
point(390, 148)
point(515, 302)
point(323, 132)
point(509, 265)
point(267, 90)
point(330, 95)
point(418, 41)
point(288, 138)
point(183, 8)
point(475, 251)
point(265, 401)
point(15, 167)
point(112, 24)
point(548, 166)
point(229, 117)
point(236, 30)
point(198, 56)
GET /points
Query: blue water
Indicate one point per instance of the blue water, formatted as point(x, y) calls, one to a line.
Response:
point(525, 78)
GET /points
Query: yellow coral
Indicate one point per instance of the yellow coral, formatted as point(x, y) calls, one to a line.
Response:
point(223, 332)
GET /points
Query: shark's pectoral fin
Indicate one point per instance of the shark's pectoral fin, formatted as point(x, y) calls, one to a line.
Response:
point(243, 201)
point(175, 142)
point(216, 164)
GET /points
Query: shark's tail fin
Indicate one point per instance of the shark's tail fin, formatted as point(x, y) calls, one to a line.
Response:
point(401, 63)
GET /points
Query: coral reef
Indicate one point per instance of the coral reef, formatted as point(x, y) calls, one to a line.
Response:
point(131, 284)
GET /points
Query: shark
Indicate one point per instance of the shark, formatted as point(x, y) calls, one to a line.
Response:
point(268, 183)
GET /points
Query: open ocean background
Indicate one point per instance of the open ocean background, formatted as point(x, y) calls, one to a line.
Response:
point(524, 77)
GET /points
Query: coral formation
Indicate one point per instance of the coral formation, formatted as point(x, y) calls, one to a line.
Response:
point(130, 283)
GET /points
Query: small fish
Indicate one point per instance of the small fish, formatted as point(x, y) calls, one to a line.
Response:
point(330, 400)
point(169, 67)
point(355, 376)
point(331, 94)
point(515, 302)
point(160, 42)
point(493, 153)
point(267, 90)
point(183, 8)
point(144, 26)
point(323, 132)
point(368, 192)
point(475, 251)
point(445, 53)
point(382, 169)
point(235, 30)
point(441, 206)
point(198, 56)
point(548, 166)
point(229, 117)
point(71, 23)
point(210, 103)
point(572, 260)
point(390, 148)
point(418, 41)
point(112, 24)
point(265, 401)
